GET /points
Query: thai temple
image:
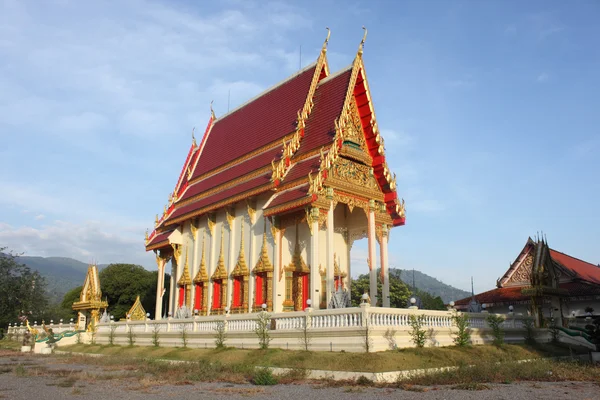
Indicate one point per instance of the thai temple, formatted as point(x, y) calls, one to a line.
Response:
point(268, 204)
point(544, 283)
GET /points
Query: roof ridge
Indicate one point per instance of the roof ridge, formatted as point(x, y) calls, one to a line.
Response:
point(270, 89)
point(570, 256)
point(334, 75)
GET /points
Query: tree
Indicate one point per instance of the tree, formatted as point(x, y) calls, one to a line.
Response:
point(122, 283)
point(22, 291)
point(399, 292)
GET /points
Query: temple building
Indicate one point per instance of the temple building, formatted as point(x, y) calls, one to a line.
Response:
point(544, 283)
point(268, 204)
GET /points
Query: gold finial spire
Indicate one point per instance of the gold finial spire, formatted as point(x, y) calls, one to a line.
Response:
point(156, 220)
point(212, 112)
point(326, 39)
point(193, 137)
point(146, 235)
point(362, 42)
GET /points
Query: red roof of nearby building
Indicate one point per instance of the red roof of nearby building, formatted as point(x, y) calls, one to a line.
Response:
point(498, 295)
point(261, 121)
point(157, 239)
point(586, 271)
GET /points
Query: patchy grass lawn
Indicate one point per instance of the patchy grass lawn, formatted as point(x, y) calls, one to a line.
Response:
point(405, 359)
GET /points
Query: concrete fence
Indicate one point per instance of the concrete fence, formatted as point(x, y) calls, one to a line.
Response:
point(345, 329)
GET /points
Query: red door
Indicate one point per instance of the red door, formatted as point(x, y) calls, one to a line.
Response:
point(305, 291)
point(259, 290)
point(198, 299)
point(216, 294)
point(181, 295)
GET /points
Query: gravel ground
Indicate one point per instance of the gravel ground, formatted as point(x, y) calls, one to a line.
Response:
point(17, 383)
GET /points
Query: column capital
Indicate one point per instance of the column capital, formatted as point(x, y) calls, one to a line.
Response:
point(329, 193)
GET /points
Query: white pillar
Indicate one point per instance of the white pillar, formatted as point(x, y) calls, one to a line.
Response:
point(194, 268)
point(315, 276)
point(372, 259)
point(160, 284)
point(251, 262)
point(278, 285)
point(231, 260)
point(383, 247)
point(330, 254)
point(210, 268)
point(172, 288)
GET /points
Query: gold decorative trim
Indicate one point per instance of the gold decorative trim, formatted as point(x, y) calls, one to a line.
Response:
point(264, 263)
point(230, 214)
point(177, 249)
point(193, 229)
point(202, 275)
point(241, 268)
point(251, 205)
point(185, 279)
point(137, 312)
point(211, 220)
point(297, 265)
point(221, 270)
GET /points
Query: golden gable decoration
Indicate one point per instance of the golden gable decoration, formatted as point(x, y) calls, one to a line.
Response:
point(264, 263)
point(220, 271)
point(202, 275)
point(137, 312)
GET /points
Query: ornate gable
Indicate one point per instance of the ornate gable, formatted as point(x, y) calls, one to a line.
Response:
point(241, 269)
point(297, 264)
point(185, 276)
point(220, 271)
point(137, 312)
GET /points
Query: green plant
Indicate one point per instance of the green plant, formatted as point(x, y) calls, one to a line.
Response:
point(156, 335)
point(529, 331)
point(417, 333)
point(111, 334)
point(220, 334)
point(366, 334)
point(20, 370)
point(390, 336)
point(262, 329)
point(495, 322)
point(184, 335)
point(78, 339)
point(364, 381)
point(554, 331)
point(263, 377)
point(130, 336)
point(305, 337)
point(463, 336)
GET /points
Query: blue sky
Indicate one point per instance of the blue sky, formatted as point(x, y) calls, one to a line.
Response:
point(489, 111)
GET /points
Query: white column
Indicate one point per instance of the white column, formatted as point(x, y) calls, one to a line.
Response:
point(211, 268)
point(383, 247)
point(231, 261)
point(194, 268)
point(330, 254)
point(251, 262)
point(372, 256)
point(278, 285)
point(172, 288)
point(315, 276)
point(176, 277)
point(160, 283)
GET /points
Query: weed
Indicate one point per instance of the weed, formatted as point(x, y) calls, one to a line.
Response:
point(68, 382)
point(77, 391)
point(262, 330)
point(220, 334)
point(131, 336)
point(184, 335)
point(156, 335)
point(305, 337)
point(111, 334)
point(264, 377)
point(366, 335)
point(470, 386)
point(364, 381)
point(529, 331)
point(417, 333)
point(390, 336)
point(495, 323)
point(20, 370)
point(463, 336)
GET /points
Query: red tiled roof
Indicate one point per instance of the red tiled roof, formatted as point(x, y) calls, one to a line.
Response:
point(328, 103)
point(498, 295)
point(232, 191)
point(256, 124)
point(237, 171)
point(158, 238)
point(581, 288)
point(290, 195)
point(586, 271)
point(302, 168)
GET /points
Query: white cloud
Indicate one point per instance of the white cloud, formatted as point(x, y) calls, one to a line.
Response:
point(39, 217)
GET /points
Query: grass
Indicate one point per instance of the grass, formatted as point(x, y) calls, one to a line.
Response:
point(404, 359)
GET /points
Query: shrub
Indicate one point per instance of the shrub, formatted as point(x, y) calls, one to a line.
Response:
point(529, 331)
point(111, 334)
point(262, 330)
point(156, 335)
point(131, 336)
point(463, 336)
point(305, 337)
point(364, 381)
point(495, 322)
point(417, 333)
point(220, 334)
point(366, 334)
point(184, 336)
point(264, 377)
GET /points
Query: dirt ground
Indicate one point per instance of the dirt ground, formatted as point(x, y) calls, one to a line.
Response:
point(52, 377)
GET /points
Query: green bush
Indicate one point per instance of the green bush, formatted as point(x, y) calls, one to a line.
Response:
point(463, 336)
point(263, 377)
point(495, 323)
point(417, 333)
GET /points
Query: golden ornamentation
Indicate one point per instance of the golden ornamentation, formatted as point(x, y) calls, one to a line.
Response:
point(137, 312)
point(337, 272)
point(523, 272)
point(297, 265)
point(202, 275)
point(241, 268)
point(400, 210)
point(230, 214)
point(351, 201)
point(193, 229)
point(251, 205)
point(354, 174)
point(185, 279)
point(193, 139)
point(211, 221)
point(90, 298)
point(177, 249)
point(156, 220)
point(221, 270)
point(146, 236)
point(264, 263)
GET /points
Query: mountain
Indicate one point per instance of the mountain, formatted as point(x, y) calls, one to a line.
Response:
point(430, 285)
point(62, 273)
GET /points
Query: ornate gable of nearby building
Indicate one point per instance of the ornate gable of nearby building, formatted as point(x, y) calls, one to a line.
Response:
point(137, 312)
point(91, 294)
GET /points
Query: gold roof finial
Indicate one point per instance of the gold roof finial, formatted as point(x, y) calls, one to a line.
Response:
point(193, 137)
point(146, 235)
point(212, 112)
point(326, 39)
point(362, 42)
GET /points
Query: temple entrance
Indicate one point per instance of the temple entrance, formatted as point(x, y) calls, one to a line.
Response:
point(260, 296)
point(199, 298)
point(217, 296)
point(300, 290)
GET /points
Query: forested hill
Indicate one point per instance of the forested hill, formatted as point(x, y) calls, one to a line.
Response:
point(430, 285)
point(62, 273)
